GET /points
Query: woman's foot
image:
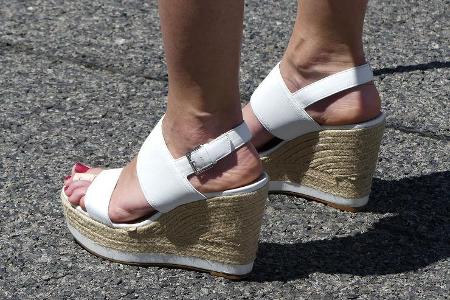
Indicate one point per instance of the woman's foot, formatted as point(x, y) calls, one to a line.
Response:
point(352, 106)
point(128, 202)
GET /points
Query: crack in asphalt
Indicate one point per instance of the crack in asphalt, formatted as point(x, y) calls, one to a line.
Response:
point(422, 133)
point(23, 48)
point(29, 50)
point(9, 46)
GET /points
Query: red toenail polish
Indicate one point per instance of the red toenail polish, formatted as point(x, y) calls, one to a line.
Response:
point(80, 168)
point(65, 188)
point(67, 177)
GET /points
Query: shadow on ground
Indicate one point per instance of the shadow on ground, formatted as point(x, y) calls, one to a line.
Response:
point(417, 235)
point(410, 68)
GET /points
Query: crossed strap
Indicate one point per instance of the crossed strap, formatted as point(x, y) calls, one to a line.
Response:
point(162, 178)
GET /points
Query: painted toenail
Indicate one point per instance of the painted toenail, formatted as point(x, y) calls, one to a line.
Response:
point(67, 177)
point(80, 168)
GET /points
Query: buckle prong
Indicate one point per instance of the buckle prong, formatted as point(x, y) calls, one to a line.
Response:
point(194, 167)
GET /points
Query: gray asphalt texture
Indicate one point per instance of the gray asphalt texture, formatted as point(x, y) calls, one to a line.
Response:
point(86, 80)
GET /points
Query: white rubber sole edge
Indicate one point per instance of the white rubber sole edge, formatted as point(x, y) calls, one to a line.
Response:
point(284, 186)
point(161, 259)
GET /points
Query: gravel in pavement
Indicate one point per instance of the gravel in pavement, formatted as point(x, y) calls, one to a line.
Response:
point(86, 81)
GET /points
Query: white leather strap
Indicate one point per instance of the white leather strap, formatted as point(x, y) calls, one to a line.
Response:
point(83, 177)
point(333, 84)
point(163, 179)
point(283, 113)
point(207, 155)
point(98, 195)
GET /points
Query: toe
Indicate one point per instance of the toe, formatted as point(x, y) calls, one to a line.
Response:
point(80, 168)
point(77, 194)
point(82, 203)
point(67, 180)
point(76, 185)
point(75, 190)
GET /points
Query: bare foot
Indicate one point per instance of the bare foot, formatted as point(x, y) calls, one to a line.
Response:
point(128, 202)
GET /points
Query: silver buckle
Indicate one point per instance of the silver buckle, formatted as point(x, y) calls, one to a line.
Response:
point(197, 171)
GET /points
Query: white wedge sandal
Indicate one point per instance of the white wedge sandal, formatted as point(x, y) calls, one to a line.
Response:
point(330, 164)
point(214, 232)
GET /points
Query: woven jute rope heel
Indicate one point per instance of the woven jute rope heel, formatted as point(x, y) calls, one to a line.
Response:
point(214, 232)
point(333, 166)
point(221, 230)
point(330, 164)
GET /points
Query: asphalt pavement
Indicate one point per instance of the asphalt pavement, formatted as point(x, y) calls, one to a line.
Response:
point(86, 80)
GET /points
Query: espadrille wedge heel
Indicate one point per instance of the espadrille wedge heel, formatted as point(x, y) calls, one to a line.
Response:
point(330, 164)
point(214, 232)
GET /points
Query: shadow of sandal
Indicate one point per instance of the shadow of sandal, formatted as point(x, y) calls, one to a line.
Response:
point(415, 237)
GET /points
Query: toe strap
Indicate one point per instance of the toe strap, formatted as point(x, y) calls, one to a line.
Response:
point(83, 177)
point(99, 193)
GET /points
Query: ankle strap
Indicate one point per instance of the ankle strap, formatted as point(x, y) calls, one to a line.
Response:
point(333, 84)
point(283, 113)
point(205, 156)
point(163, 179)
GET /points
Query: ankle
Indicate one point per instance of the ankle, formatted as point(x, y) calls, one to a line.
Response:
point(238, 169)
point(308, 62)
point(183, 130)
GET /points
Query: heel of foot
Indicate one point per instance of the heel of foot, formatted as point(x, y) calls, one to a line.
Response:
point(352, 106)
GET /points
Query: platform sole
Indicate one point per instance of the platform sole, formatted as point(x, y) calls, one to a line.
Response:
point(229, 271)
point(218, 235)
point(344, 204)
point(334, 166)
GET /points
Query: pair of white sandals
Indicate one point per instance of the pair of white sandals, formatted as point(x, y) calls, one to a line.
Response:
point(219, 232)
